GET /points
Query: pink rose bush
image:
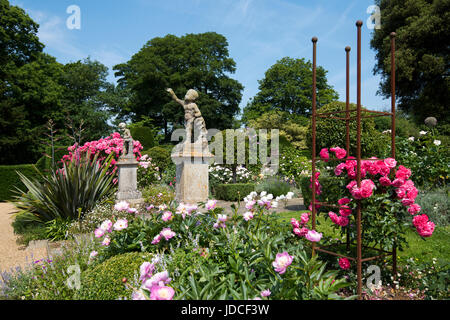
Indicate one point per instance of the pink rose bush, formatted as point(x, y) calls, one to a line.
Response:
point(382, 179)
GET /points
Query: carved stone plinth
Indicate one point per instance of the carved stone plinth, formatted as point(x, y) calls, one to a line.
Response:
point(128, 181)
point(192, 176)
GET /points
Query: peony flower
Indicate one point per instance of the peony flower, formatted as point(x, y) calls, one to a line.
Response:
point(106, 241)
point(301, 232)
point(304, 218)
point(166, 216)
point(422, 133)
point(106, 225)
point(282, 261)
point(99, 232)
point(222, 217)
point(146, 270)
point(248, 215)
point(437, 142)
point(167, 233)
point(161, 293)
point(138, 295)
point(249, 205)
point(156, 239)
point(289, 195)
point(295, 223)
point(121, 206)
point(93, 254)
point(211, 204)
point(265, 293)
point(120, 224)
point(132, 210)
point(313, 236)
point(159, 278)
point(344, 263)
point(150, 207)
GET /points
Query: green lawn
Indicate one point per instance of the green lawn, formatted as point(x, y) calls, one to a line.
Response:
point(437, 246)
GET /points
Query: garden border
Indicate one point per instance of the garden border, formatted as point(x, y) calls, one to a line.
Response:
point(347, 119)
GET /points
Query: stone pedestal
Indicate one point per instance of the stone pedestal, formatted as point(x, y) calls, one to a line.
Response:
point(192, 177)
point(128, 180)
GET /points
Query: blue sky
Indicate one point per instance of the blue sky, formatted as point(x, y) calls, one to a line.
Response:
point(259, 32)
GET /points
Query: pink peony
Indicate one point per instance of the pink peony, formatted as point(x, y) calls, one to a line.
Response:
point(106, 241)
point(160, 278)
point(99, 232)
point(132, 210)
point(211, 204)
point(301, 232)
point(248, 215)
point(167, 233)
point(313, 236)
point(161, 293)
point(156, 239)
point(120, 224)
point(106, 225)
point(295, 223)
point(265, 293)
point(146, 270)
point(304, 218)
point(166, 216)
point(282, 261)
point(249, 205)
point(121, 206)
point(344, 263)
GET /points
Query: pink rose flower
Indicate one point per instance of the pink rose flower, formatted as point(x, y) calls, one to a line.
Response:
point(339, 168)
point(398, 182)
point(344, 263)
point(324, 154)
point(414, 208)
point(282, 261)
point(343, 201)
point(340, 153)
point(121, 206)
point(345, 211)
point(390, 162)
point(385, 181)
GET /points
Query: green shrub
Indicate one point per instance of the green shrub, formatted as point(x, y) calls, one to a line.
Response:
point(104, 281)
point(160, 157)
point(158, 194)
point(57, 229)
point(67, 193)
point(331, 133)
point(234, 191)
point(145, 135)
point(9, 179)
point(274, 186)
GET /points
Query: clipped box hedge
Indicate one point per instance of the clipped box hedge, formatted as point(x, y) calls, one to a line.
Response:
point(233, 191)
point(9, 179)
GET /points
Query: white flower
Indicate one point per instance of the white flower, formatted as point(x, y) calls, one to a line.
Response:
point(274, 204)
point(437, 142)
point(121, 206)
point(289, 195)
point(422, 133)
point(411, 138)
point(263, 193)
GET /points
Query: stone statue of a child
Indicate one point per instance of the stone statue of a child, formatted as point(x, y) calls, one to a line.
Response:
point(127, 148)
point(192, 115)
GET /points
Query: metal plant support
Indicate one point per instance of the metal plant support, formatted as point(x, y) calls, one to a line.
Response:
point(348, 116)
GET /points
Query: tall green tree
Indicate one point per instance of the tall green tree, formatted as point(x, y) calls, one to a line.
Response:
point(197, 61)
point(287, 87)
point(422, 55)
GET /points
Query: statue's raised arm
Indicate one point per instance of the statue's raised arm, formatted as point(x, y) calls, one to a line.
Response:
point(174, 96)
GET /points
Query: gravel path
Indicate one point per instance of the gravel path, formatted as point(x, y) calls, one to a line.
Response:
point(11, 254)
